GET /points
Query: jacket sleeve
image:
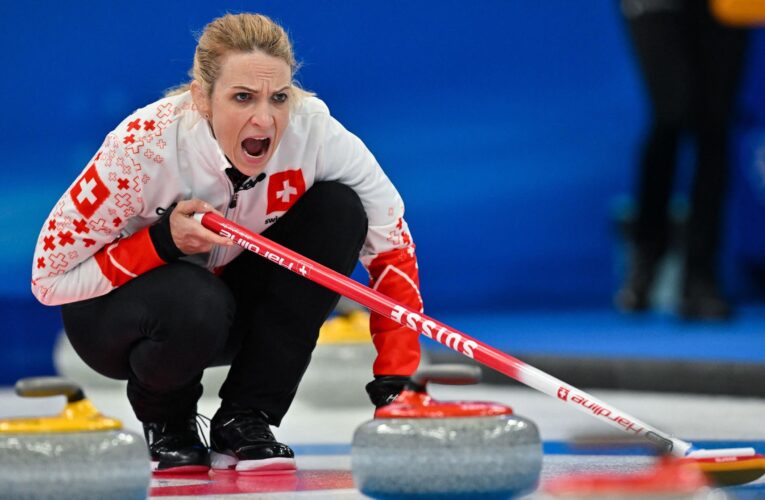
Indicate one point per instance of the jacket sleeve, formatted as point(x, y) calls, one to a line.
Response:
point(389, 251)
point(83, 250)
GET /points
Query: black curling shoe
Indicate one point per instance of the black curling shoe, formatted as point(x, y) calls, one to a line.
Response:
point(634, 295)
point(175, 447)
point(702, 301)
point(241, 439)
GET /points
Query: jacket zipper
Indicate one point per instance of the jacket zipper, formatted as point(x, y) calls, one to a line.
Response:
point(231, 206)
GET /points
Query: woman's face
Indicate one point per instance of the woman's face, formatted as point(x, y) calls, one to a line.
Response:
point(249, 108)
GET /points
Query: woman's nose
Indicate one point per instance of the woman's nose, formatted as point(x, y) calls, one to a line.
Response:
point(261, 116)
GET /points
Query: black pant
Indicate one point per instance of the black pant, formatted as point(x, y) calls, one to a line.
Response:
point(692, 67)
point(163, 328)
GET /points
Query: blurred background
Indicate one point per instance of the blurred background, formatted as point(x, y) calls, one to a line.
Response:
point(510, 127)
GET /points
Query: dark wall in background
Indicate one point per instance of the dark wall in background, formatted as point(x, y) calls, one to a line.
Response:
point(509, 126)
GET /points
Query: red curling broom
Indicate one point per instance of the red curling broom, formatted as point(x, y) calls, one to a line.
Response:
point(724, 466)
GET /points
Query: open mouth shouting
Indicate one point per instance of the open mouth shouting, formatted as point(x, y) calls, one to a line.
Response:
point(256, 148)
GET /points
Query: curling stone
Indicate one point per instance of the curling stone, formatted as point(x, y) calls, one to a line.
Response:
point(341, 363)
point(77, 454)
point(668, 477)
point(418, 447)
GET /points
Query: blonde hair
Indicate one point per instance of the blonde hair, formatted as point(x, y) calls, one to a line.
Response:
point(238, 33)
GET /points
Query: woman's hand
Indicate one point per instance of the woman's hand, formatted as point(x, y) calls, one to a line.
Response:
point(188, 234)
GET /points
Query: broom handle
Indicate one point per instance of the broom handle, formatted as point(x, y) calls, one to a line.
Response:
point(443, 334)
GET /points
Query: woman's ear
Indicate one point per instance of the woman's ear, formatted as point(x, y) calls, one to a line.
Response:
point(200, 98)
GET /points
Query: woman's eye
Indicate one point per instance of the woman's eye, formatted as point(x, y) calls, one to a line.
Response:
point(279, 97)
point(241, 96)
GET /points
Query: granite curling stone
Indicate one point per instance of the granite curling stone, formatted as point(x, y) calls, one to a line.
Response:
point(417, 447)
point(667, 477)
point(341, 363)
point(77, 454)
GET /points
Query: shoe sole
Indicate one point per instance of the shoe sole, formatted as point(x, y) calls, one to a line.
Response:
point(181, 469)
point(226, 461)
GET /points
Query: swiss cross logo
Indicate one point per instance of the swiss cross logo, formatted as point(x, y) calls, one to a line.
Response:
point(284, 189)
point(65, 238)
point(563, 393)
point(89, 192)
point(81, 226)
point(49, 243)
point(134, 125)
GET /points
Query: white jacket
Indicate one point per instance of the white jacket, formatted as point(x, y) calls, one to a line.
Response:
point(96, 237)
